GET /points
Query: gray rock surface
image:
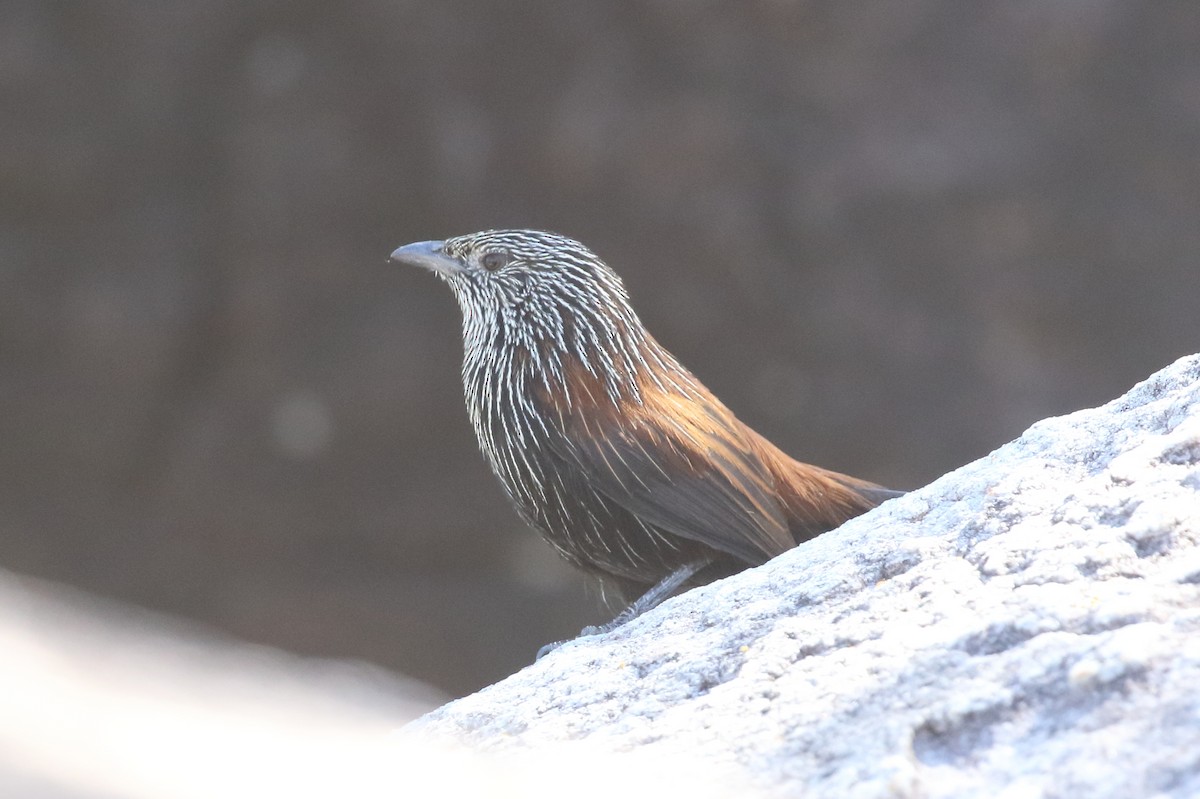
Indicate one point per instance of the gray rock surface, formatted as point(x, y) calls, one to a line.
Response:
point(1027, 625)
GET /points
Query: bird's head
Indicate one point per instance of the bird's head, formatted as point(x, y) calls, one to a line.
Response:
point(544, 294)
point(499, 269)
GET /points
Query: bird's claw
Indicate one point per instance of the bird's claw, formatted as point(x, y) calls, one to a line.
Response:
point(584, 633)
point(547, 649)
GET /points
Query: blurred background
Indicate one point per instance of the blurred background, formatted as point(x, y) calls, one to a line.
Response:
point(889, 235)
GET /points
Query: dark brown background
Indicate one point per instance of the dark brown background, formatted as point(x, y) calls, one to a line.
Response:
point(889, 235)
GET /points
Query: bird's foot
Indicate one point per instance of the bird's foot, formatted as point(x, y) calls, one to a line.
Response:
point(591, 629)
point(550, 647)
point(647, 601)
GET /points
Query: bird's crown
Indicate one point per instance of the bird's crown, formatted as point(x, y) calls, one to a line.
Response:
point(529, 248)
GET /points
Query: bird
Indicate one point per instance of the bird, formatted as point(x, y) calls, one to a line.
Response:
point(604, 442)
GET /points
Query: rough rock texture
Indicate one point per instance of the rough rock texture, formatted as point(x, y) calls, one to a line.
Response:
point(1028, 625)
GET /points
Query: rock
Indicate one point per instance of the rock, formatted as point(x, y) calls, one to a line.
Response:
point(1027, 625)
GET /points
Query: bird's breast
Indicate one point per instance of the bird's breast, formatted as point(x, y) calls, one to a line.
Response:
point(528, 428)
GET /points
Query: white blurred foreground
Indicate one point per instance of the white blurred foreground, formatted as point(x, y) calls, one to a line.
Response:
point(104, 701)
point(101, 700)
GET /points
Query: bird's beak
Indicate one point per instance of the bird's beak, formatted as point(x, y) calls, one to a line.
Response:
point(428, 255)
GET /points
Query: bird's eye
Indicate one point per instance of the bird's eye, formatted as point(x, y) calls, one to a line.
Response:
point(492, 261)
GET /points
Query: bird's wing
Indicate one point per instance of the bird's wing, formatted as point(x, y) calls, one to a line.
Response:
point(690, 471)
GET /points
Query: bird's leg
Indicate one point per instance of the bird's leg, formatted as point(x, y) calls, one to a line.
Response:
point(646, 602)
point(651, 599)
